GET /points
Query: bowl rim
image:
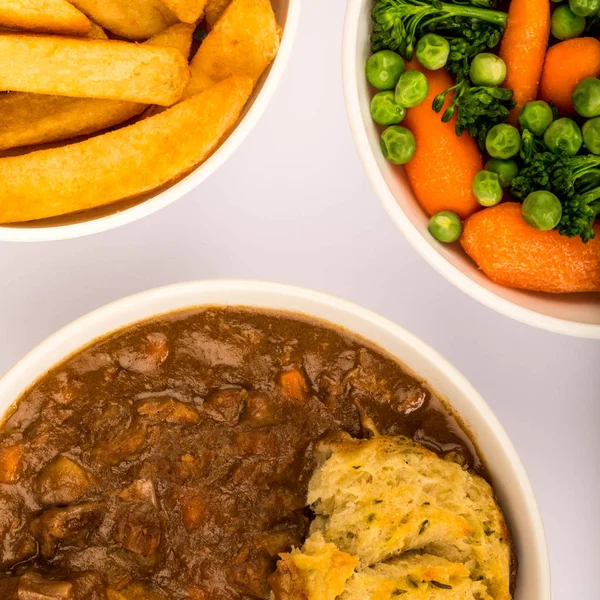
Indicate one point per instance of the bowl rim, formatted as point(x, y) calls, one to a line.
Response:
point(402, 222)
point(129, 310)
point(14, 233)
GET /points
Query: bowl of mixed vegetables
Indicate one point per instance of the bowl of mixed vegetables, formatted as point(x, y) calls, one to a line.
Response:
point(478, 123)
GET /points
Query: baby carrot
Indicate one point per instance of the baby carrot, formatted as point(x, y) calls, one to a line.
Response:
point(513, 254)
point(523, 48)
point(442, 170)
point(567, 63)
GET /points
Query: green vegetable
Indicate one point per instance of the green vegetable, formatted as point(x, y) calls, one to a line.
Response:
point(566, 24)
point(503, 141)
point(563, 137)
point(470, 29)
point(412, 89)
point(542, 210)
point(433, 51)
point(384, 69)
point(586, 97)
point(507, 170)
point(584, 8)
point(487, 188)
point(385, 110)
point(591, 135)
point(575, 180)
point(445, 226)
point(488, 69)
point(536, 116)
point(398, 145)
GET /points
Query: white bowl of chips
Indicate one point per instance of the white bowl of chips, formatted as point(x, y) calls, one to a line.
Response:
point(54, 186)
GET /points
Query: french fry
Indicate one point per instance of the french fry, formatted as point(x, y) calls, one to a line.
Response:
point(49, 16)
point(177, 36)
point(123, 163)
point(96, 32)
point(92, 69)
point(213, 11)
point(243, 42)
point(131, 19)
point(27, 119)
point(188, 11)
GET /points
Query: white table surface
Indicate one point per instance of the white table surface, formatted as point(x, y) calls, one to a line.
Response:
point(293, 205)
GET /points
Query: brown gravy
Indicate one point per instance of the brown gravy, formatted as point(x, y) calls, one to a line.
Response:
point(171, 459)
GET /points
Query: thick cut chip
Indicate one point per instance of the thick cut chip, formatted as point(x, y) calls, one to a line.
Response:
point(188, 11)
point(123, 163)
point(85, 68)
point(213, 11)
point(131, 19)
point(50, 16)
point(421, 577)
point(243, 42)
point(27, 119)
point(395, 496)
point(96, 32)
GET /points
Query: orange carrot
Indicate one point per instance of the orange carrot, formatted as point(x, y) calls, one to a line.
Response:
point(513, 254)
point(442, 171)
point(523, 48)
point(567, 63)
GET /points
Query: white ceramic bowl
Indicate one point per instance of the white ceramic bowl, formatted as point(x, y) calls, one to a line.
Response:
point(121, 213)
point(510, 480)
point(570, 314)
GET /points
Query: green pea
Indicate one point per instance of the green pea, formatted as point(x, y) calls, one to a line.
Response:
point(506, 170)
point(542, 210)
point(412, 89)
point(586, 97)
point(488, 69)
point(591, 135)
point(566, 24)
point(445, 226)
point(398, 145)
point(384, 69)
point(536, 116)
point(487, 188)
point(433, 51)
point(584, 8)
point(385, 110)
point(563, 137)
point(503, 141)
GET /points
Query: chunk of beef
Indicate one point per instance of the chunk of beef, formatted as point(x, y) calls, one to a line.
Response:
point(141, 490)
point(89, 586)
point(124, 445)
point(250, 575)
point(16, 543)
point(34, 586)
point(62, 482)
point(69, 524)
point(168, 410)
point(260, 411)
point(148, 356)
point(226, 405)
point(138, 529)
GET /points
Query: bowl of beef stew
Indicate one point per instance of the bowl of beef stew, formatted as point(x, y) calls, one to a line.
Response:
point(164, 446)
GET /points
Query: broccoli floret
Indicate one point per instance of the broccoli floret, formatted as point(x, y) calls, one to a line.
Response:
point(575, 180)
point(470, 28)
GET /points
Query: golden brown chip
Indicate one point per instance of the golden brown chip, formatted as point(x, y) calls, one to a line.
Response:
point(188, 11)
point(85, 68)
point(123, 163)
point(243, 42)
point(132, 19)
point(213, 11)
point(51, 16)
point(27, 119)
point(96, 32)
